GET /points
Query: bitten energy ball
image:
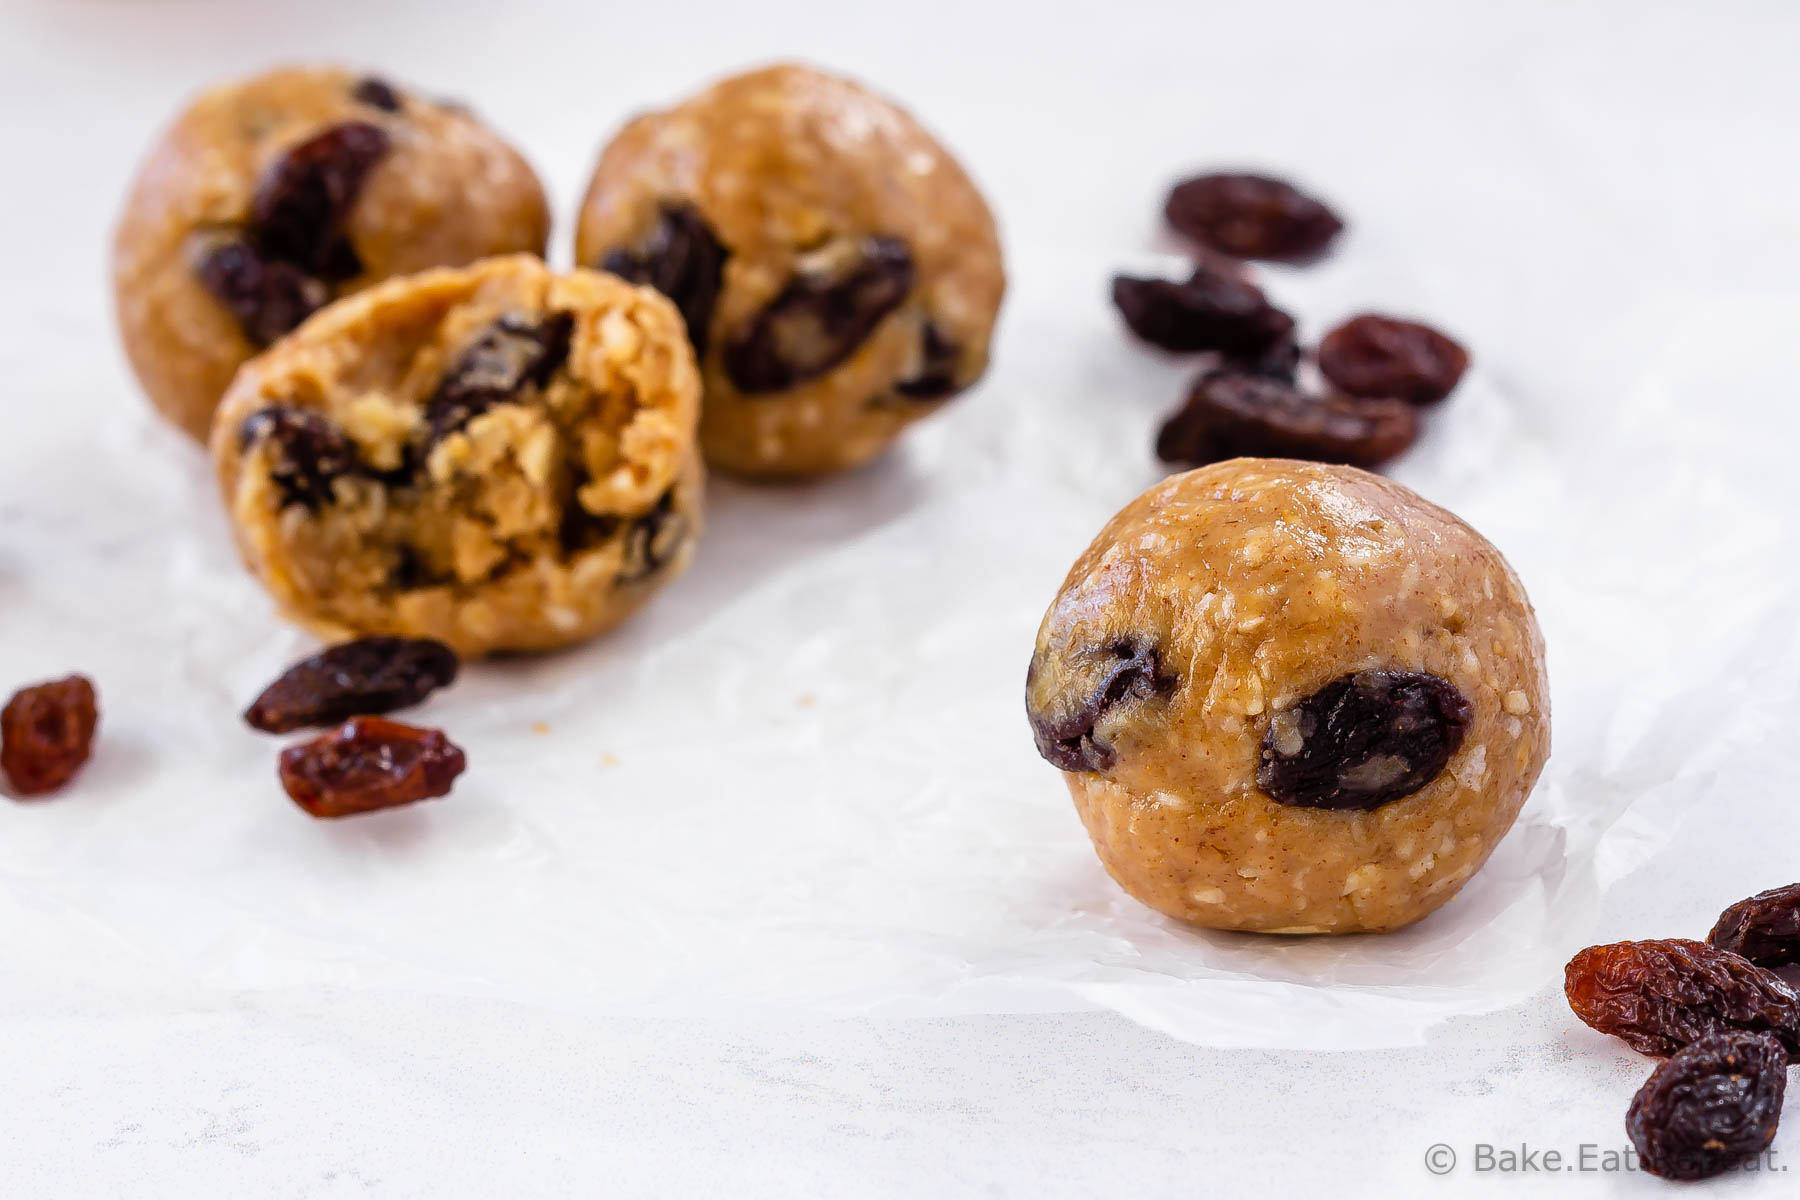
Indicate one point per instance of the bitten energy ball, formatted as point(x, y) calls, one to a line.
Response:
point(268, 198)
point(494, 456)
point(838, 271)
point(1291, 698)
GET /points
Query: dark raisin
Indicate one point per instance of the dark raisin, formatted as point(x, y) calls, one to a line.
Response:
point(1251, 216)
point(410, 569)
point(377, 93)
point(1363, 740)
point(46, 734)
point(823, 314)
point(1715, 1105)
point(268, 297)
point(1232, 413)
point(1280, 359)
point(1127, 672)
point(682, 259)
point(369, 763)
point(1212, 310)
point(307, 452)
point(1659, 996)
point(583, 530)
point(1764, 929)
point(369, 676)
point(513, 352)
point(935, 376)
point(305, 196)
point(1380, 356)
point(653, 540)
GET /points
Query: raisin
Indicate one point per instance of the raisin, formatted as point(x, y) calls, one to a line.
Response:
point(1280, 359)
point(377, 93)
point(369, 763)
point(1713, 1106)
point(1251, 216)
point(268, 297)
point(1658, 996)
point(824, 313)
point(304, 198)
point(368, 676)
point(1233, 412)
point(682, 259)
point(653, 539)
point(935, 376)
point(1381, 356)
point(1127, 672)
point(46, 734)
point(1363, 740)
point(306, 452)
point(514, 351)
point(1764, 929)
point(583, 530)
point(1212, 310)
point(410, 569)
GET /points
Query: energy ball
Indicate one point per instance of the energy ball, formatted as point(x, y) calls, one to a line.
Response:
point(1291, 698)
point(838, 271)
point(494, 456)
point(268, 198)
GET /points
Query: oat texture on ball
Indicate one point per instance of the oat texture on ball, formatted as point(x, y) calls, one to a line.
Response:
point(1291, 698)
point(495, 456)
point(269, 197)
point(839, 273)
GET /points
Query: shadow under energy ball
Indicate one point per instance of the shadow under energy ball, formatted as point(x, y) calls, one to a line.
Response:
point(1291, 698)
point(268, 198)
point(839, 273)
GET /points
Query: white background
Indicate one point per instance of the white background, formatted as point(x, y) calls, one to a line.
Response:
point(1599, 198)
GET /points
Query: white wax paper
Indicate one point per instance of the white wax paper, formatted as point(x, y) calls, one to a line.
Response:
point(802, 779)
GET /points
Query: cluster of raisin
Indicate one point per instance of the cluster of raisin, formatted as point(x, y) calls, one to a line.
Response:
point(1723, 1018)
point(285, 262)
point(1249, 400)
point(821, 316)
point(364, 762)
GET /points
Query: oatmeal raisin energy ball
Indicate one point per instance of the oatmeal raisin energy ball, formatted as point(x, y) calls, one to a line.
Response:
point(495, 456)
point(269, 197)
point(1291, 698)
point(838, 272)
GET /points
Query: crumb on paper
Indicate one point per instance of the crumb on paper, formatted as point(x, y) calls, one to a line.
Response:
point(807, 700)
point(609, 760)
point(540, 727)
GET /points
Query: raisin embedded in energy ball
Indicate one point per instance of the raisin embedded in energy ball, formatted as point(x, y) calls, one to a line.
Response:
point(270, 197)
point(838, 272)
point(1291, 698)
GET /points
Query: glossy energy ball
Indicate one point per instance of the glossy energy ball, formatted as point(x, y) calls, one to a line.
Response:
point(494, 456)
point(839, 273)
point(268, 198)
point(1291, 698)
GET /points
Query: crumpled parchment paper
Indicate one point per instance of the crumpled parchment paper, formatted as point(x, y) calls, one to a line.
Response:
point(802, 779)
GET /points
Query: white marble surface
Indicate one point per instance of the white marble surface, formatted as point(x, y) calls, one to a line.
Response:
point(1598, 196)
